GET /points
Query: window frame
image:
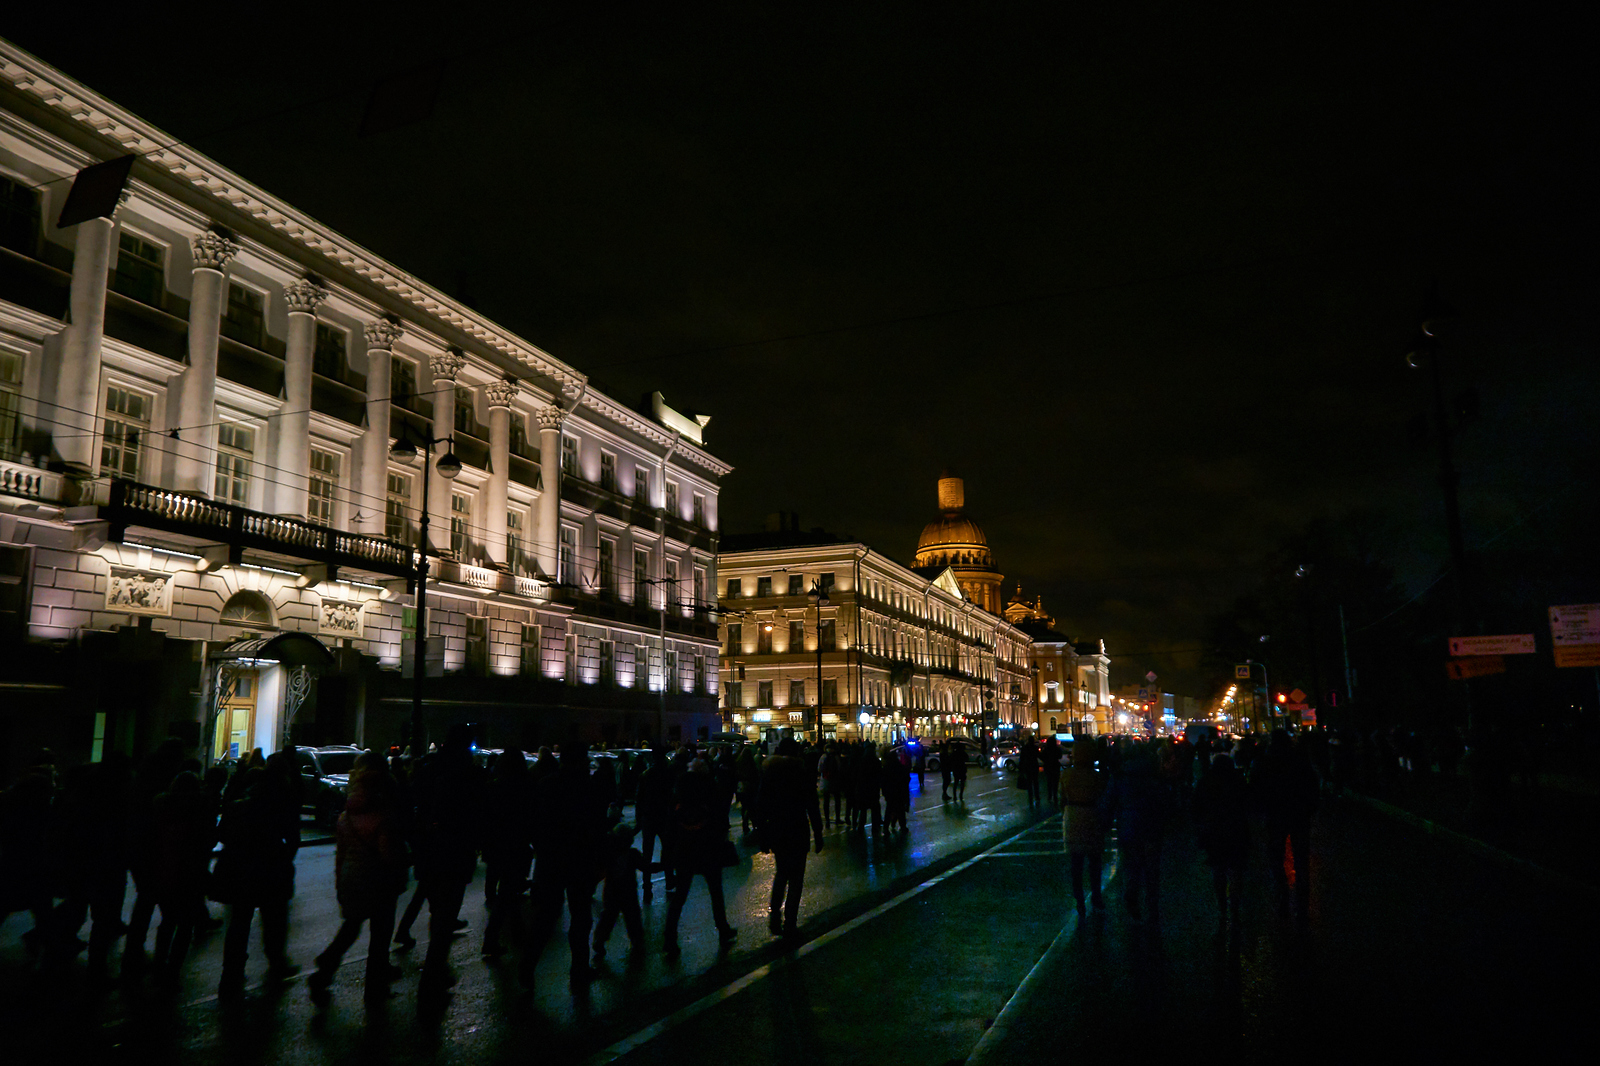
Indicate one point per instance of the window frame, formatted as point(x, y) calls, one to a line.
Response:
point(160, 274)
point(330, 498)
point(342, 361)
point(257, 331)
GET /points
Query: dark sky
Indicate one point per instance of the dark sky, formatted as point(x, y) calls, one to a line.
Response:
point(1144, 276)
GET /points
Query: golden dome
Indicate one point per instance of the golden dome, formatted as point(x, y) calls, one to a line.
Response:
point(953, 539)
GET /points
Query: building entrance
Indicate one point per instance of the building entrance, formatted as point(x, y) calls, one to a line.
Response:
point(235, 738)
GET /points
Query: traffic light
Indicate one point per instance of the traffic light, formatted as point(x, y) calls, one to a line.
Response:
point(1282, 698)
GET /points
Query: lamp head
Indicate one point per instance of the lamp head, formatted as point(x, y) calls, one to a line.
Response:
point(403, 451)
point(448, 466)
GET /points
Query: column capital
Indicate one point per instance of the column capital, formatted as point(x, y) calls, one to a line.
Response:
point(500, 393)
point(382, 333)
point(212, 250)
point(304, 296)
point(550, 417)
point(447, 364)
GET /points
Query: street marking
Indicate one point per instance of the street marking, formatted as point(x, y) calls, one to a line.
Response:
point(643, 1036)
point(984, 1049)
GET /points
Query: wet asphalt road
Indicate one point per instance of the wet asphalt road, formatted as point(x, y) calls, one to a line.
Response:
point(913, 948)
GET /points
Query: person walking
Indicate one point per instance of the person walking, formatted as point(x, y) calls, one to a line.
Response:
point(947, 756)
point(1286, 789)
point(958, 770)
point(831, 777)
point(1050, 767)
point(93, 826)
point(1083, 829)
point(260, 834)
point(1221, 814)
point(569, 861)
point(748, 772)
point(449, 811)
point(184, 834)
point(788, 807)
point(620, 897)
point(1141, 802)
point(654, 814)
point(867, 784)
point(508, 842)
point(155, 774)
point(895, 774)
point(700, 847)
point(369, 875)
point(1028, 771)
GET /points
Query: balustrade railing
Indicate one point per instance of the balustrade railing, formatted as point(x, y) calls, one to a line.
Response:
point(29, 482)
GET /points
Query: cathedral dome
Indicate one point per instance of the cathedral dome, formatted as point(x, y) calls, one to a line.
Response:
point(953, 539)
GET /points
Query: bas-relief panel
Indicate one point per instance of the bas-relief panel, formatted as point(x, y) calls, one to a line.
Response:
point(130, 591)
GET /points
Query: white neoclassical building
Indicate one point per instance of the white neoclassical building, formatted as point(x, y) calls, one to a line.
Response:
point(206, 528)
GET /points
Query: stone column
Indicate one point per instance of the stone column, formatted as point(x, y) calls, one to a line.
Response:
point(372, 485)
point(77, 385)
point(499, 394)
point(444, 367)
point(195, 409)
point(547, 530)
point(291, 466)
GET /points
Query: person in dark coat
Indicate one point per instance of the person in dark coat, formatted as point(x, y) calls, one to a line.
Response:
point(1142, 804)
point(895, 774)
point(508, 841)
point(787, 809)
point(449, 804)
point(1221, 814)
point(260, 835)
point(1028, 771)
point(155, 774)
point(866, 783)
point(620, 897)
point(701, 835)
point(92, 816)
point(184, 832)
point(748, 772)
point(1082, 826)
point(1050, 768)
point(369, 874)
point(1285, 786)
point(958, 770)
point(654, 814)
point(569, 850)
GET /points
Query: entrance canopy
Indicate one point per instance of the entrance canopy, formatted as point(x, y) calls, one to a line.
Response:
point(290, 649)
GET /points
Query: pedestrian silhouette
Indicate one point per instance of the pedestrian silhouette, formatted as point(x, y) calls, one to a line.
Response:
point(788, 809)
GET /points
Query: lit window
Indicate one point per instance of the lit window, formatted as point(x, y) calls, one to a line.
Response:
point(397, 505)
point(236, 446)
point(324, 483)
point(514, 541)
point(797, 692)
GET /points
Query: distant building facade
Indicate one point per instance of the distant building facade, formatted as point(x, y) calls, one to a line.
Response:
point(202, 529)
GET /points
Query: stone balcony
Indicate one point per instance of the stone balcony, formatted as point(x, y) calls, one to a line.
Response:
point(30, 482)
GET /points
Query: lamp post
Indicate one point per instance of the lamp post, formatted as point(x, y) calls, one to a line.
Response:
point(818, 599)
point(405, 451)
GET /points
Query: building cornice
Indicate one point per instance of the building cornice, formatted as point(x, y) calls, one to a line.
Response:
point(127, 133)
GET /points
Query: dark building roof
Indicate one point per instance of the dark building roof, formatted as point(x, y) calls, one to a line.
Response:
point(779, 538)
point(1042, 631)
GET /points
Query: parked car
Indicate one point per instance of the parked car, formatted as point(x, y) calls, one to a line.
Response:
point(973, 749)
point(1004, 758)
point(325, 779)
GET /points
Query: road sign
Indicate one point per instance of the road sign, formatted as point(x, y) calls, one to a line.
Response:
point(1575, 634)
point(1478, 666)
point(1296, 706)
point(1242, 671)
point(1308, 717)
point(1151, 677)
point(1505, 644)
point(1144, 694)
point(1297, 696)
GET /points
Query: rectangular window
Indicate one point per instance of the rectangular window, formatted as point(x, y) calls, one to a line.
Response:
point(797, 585)
point(324, 483)
point(699, 509)
point(674, 594)
point(19, 217)
point(403, 382)
point(674, 683)
point(825, 582)
point(699, 673)
point(519, 433)
point(699, 588)
point(827, 633)
point(763, 693)
point(764, 638)
point(569, 456)
point(530, 649)
point(735, 638)
point(396, 508)
point(672, 498)
point(567, 560)
point(126, 424)
point(328, 356)
point(641, 576)
point(571, 660)
point(735, 588)
point(641, 484)
point(466, 419)
point(608, 565)
point(246, 315)
point(608, 663)
point(763, 587)
point(797, 636)
point(735, 692)
point(830, 692)
point(477, 646)
point(608, 471)
point(141, 269)
point(460, 522)
point(236, 446)
point(797, 692)
point(10, 398)
point(514, 540)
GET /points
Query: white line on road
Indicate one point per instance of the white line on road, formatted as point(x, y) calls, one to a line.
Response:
point(704, 1003)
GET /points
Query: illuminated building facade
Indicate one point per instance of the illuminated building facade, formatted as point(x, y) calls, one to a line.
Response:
point(203, 532)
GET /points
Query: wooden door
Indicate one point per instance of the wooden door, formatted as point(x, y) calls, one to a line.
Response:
point(237, 724)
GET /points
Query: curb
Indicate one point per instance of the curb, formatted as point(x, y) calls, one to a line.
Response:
point(1478, 847)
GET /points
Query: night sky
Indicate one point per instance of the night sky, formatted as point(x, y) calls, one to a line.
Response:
point(1145, 277)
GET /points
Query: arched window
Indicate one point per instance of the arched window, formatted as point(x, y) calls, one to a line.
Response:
point(248, 609)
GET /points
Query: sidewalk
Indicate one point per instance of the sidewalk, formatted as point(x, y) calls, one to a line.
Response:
point(1414, 946)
